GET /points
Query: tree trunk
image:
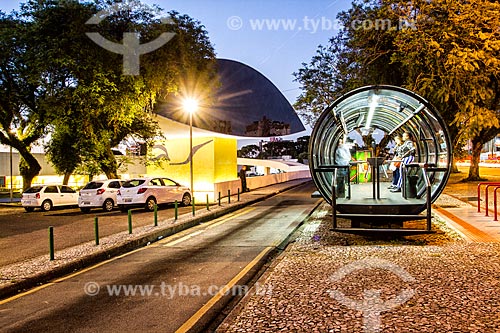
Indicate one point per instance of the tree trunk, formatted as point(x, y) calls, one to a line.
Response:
point(108, 165)
point(454, 168)
point(66, 178)
point(477, 147)
point(28, 166)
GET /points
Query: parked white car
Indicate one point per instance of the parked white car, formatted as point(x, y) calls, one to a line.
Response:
point(150, 191)
point(99, 194)
point(47, 196)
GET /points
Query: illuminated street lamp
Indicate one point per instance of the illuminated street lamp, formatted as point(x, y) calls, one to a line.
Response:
point(190, 106)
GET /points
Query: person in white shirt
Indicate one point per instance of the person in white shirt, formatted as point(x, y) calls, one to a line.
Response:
point(342, 157)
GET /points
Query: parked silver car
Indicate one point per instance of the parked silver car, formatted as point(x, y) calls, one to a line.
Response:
point(149, 191)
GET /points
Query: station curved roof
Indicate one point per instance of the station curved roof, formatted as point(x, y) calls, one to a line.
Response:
point(246, 104)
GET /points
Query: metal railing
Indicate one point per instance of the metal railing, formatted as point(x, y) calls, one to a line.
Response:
point(426, 168)
point(488, 184)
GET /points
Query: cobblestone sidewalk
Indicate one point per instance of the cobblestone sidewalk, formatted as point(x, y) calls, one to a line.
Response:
point(321, 285)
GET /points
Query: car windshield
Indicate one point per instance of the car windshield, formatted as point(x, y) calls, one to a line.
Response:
point(93, 186)
point(34, 189)
point(133, 183)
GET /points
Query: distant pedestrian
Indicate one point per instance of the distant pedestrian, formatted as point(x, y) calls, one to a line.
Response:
point(243, 178)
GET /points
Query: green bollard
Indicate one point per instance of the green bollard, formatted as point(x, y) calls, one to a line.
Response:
point(130, 221)
point(156, 215)
point(96, 230)
point(238, 194)
point(176, 213)
point(193, 206)
point(51, 242)
point(219, 198)
point(208, 204)
point(228, 196)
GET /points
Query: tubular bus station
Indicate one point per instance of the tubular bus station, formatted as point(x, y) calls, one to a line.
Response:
point(366, 121)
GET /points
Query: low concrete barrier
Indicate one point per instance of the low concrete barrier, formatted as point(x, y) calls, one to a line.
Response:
point(259, 181)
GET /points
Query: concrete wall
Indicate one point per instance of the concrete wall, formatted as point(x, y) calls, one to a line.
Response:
point(48, 175)
point(261, 181)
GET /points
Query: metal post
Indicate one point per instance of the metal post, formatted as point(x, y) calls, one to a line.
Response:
point(349, 182)
point(51, 242)
point(96, 230)
point(495, 203)
point(334, 204)
point(130, 221)
point(208, 205)
point(374, 189)
point(176, 212)
point(228, 196)
point(192, 202)
point(238, 194)
point(429, 204)
point(479, 198)
point(219, 198)
point(403, 181)
point(486, 200)
point(155, 212)
point(11, 191)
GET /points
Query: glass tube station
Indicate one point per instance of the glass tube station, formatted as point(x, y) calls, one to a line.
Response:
point(368, 120)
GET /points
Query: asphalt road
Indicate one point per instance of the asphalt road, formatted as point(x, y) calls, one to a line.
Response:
point(24, 235)
point(175, 280)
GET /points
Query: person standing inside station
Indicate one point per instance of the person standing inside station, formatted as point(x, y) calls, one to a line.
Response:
point(342, 157)
point(407, 152)
point(394, 167)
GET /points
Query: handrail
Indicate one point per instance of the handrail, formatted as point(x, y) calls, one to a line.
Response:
point(334, 205)
point(486, 199)
point(334, 167)
point(495, 202)
point(479, 194)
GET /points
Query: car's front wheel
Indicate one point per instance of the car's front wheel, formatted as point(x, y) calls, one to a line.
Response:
point(186, 199)
point(150, 204)
point(29, 209)
point(108, 205)
point(46, 205)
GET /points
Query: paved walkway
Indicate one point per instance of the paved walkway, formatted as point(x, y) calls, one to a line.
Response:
point(468, 222)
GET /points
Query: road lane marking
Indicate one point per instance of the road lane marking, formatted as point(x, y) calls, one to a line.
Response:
point(218, 221)
point(207, 226)
point(205, 308)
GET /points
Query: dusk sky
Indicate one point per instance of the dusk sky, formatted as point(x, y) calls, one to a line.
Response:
point(274, 37)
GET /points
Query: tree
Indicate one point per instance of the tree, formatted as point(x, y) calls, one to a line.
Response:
point(447, 51)
point(24, 95)
point(452, 58)
point(355, 57)
point(250, 151)
point(95, 106)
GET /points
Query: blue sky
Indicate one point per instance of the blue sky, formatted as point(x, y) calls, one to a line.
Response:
point(274, 37)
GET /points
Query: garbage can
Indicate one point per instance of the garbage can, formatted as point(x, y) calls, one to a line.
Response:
point(411, 186)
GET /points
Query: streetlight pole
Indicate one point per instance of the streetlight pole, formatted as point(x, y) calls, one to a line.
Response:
point(11, 192)
point(190, 106)
point(191, 150)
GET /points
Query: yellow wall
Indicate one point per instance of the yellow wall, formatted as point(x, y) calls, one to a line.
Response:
point(214, 162)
